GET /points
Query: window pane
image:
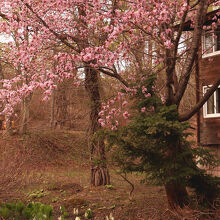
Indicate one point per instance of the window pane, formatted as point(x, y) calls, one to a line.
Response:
point(218, 100)
point(208, 44)
point(210, 105)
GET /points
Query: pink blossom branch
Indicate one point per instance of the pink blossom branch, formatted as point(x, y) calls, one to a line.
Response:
point(58, 36)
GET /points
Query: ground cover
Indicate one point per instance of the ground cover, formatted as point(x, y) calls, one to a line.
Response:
point(53, 168)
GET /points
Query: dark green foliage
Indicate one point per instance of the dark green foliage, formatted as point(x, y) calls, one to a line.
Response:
point(155, 143)
point(206, 188)
point(19, 211)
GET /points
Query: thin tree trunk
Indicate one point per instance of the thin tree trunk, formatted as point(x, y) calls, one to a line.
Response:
point(61, 105)
point(99, 171)
point(25, 114)
point(52, 125)
point(8, 127)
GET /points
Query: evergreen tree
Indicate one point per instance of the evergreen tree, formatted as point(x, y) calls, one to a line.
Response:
point(155, 143)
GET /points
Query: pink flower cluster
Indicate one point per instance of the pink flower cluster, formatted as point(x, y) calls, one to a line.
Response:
point(52, 40)
point(144, 91)
point(114, 111)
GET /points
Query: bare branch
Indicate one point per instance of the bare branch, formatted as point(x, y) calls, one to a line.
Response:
point(114, 75)
point(188, 115)
point(203, 6)
point(4, 16)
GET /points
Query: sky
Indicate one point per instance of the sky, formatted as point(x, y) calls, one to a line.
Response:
point(4, 38)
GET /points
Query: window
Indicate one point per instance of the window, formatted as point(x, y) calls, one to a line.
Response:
point(211, 43)
point(211, 108)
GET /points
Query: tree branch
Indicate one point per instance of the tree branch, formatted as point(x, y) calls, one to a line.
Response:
point(114, 75)
point(188, 115)
point(194, 49)
point(4, 16)
point(58, 36)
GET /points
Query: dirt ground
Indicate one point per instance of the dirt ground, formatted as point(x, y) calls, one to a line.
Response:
point(53, 168)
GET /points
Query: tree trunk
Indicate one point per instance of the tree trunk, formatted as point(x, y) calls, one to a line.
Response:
point(99, 171)
point(8, 126)
point(52, 104)
point(61, 105)
point(25, 114)
point(176, 195)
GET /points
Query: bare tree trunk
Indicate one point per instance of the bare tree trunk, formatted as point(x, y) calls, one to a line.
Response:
point(25, 114)
point(8, 127)
point(99, 171)
point(52, 125)
point(61, 105)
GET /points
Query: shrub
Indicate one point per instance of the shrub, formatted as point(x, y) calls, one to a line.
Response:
point(31, 211)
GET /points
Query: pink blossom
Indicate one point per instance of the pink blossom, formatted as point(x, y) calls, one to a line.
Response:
point(126, 115)
point(113, 128)
point(113, 110)
point(101, 113)
point(168, 44)
point(108, 117)
point(147, 95)
point(124, 103)
point(101, 120)
point(163, 99)
point(143, 109)
point(111, 101)
point(102, 124)
point(77, 84)
point(180, 14)
point(161, 59)
point(144, 89)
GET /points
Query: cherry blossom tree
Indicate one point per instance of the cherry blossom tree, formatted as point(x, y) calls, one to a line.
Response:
point(79, 45)
point(98, 37)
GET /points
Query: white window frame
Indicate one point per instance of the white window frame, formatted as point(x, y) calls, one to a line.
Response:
point(214, 52)
point(205, 107)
